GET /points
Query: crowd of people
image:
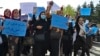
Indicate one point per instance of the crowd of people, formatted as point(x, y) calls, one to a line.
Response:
point(78, 36)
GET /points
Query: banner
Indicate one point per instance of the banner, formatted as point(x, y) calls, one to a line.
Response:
point(85, 11)
point(14, 28)
point(27, 7)
point(59, 22)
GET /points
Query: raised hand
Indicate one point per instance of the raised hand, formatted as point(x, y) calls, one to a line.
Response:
point(51, 3)
point(39, 27)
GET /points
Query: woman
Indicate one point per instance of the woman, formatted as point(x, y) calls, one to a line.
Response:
point(80, 42)
point(7, 13)
point(29, 35)
point(15, 41)
point(67, 40)
point(89, 35)
point(55, 36)
point(40, 27)
point(4, 45)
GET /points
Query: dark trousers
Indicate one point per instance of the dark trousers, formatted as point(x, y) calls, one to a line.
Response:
point(54, 47)
point(4, 46)
point(80, 43)
point(18, 47)
point(67, 45)
point(39, 49)
point(89, 41)
point(1, 50)
point(26, 49)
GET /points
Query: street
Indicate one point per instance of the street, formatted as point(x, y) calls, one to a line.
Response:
point(95, 51)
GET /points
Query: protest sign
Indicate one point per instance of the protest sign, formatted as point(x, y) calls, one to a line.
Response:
point(14, 28)
point(24, 17)
point(85, 11)
point(59, 22)
point(27, 7)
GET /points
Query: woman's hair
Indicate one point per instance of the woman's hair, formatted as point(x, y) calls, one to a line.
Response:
point(77, 20)
point(14, 11)
point(76, 24)
point(20, 12)
point(6, 11)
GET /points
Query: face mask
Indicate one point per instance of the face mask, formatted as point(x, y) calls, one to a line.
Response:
point(17, 18)
point(43, 16)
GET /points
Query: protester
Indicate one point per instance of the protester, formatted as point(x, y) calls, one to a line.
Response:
point(80, 42)
point(55, 37)
point(4, 45)
point(29, 35)
point(42, 27)
point(15, 41)
point(26, 41)
point(89, 35)
point(67, 40)
point(94, 30)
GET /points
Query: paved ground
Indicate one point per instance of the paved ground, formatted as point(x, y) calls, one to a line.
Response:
point(95, 51)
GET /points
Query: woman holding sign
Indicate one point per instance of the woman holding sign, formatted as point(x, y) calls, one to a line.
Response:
point(80, 42)
point(4, 44)
point(67, 40)
point(15, 41)
point(55, 36)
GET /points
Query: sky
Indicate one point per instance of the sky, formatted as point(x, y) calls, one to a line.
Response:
point(13, 4)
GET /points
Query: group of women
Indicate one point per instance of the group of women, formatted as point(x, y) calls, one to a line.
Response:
point(45, 36)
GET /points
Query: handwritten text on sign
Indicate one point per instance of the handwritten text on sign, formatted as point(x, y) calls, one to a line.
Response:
point(15, 28)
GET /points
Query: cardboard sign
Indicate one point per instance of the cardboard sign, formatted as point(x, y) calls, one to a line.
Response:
point(15, 28)
point(59, 22)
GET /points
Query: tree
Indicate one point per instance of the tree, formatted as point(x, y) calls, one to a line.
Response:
point(78, 8)
point(92, 7)
point(85, 5)
point(69, 10)
point(98, 9)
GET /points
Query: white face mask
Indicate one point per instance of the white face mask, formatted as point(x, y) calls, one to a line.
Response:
point(17, 18)
point(43, 16)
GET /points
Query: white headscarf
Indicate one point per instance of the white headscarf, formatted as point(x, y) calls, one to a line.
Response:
point(82, 30)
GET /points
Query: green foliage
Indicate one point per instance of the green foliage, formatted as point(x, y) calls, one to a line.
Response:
point(69, 10)
point(78, 8)
point(85, 5)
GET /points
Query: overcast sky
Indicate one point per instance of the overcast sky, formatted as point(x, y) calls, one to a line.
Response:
point(12, 4)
